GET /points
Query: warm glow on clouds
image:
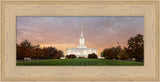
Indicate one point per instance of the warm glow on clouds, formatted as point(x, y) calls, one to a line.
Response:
point(64, 32)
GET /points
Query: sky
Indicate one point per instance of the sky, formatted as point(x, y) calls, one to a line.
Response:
point(64, 32)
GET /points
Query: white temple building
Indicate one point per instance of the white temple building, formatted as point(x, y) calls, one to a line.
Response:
point(81, 50)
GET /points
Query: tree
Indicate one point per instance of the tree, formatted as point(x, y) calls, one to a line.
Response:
point(19, 52)
point(123, 55)
point(52, 52)
point(26, 49)
point(136, 47)
point(111, 53)
point(92, 56)
point(59, 54)
point(26, 44)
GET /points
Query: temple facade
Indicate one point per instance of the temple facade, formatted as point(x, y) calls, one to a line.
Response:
point(81, 50)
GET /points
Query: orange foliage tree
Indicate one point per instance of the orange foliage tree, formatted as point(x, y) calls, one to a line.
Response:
point(26, 49)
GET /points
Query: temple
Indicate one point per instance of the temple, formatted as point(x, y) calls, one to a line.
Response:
point(81, 50)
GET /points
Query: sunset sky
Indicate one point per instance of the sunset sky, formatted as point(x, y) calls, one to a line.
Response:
point(64, 32)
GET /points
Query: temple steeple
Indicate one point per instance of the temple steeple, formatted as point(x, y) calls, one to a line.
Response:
point(81, 50)
point(81, 39)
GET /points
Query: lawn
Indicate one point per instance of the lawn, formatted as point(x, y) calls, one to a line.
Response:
point(79, 62)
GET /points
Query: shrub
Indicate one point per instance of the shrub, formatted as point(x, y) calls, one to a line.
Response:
point(92, 56)
point(71, 56)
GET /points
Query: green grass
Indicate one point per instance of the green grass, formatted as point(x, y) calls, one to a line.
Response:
point(79, 62)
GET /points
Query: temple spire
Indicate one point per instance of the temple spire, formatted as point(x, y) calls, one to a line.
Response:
point(81, 39)
point(81, 30)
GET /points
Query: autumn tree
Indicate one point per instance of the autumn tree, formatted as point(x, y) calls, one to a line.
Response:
point(59, 54)
point(136, 47)
point(19, 52)
point(26, 49)
point(123, 55)
point(111, 53)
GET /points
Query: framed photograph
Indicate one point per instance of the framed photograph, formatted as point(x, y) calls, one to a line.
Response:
point(80, 41)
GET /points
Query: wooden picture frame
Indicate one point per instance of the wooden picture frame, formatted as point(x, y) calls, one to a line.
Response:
point(10, 9)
